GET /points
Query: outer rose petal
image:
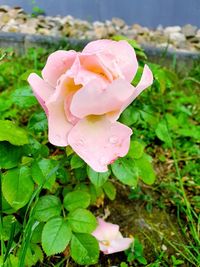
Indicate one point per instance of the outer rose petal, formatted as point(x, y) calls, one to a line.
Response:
point(145, 81)
point(101, 100)
point(123, 61)
point(41, 89)
point(64, 93)
point(99, 142)
point(119, 244)
point(57, 64)
point(105, 230)
point(59, 127)
point(95, 99)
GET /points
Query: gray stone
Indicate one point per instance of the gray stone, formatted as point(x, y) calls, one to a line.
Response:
point(189, 30)
point(100, 32)
point(177, 37)
point(172, 29)
point(118, 22)
point(4, 8)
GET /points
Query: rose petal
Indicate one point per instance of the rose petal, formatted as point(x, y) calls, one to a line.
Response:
point(99, 142)
point(145, 81)
point(59, 127)
point(57, 64)
point(105, 231)
point(94, 64)
point(119, 244)
point(64, 92)
point(80, 74)
point(119, 57)
point(102, 97)
point(41, 89)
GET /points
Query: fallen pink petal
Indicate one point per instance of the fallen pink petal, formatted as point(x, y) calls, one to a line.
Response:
point(83, 95)
point(109, 237)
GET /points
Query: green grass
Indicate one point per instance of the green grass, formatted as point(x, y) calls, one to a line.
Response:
point(165, 119)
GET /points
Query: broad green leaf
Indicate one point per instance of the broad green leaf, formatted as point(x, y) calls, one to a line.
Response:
point(145, 168)
point(12, 133)
point(76, 162)
point(97, 178)
point(95, 194)
point(38, 122)
point(172, 121)
point(23, 97)
point(189, 130)
point(125, 171)
point(43, 172)
point(136, 150)
point(84, 249)
point(12, 261)
point(130, 116)
point(8, 221)
point(76, 199)
point(34, 148)
point(33, 255)
point(10, 155)
point(109, 190)
point(149, 117)
point(56, 235)
point(37, 234)
point(47, 207)
point(82, 221)
point(80, 173)
point(163, 133)
point(7, 209)
point(17, 187)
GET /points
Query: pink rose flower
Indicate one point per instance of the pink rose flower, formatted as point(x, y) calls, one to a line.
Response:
point(83, 95)
point(109, 237)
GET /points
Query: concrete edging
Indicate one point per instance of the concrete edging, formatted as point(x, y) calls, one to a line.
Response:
point(22, 42)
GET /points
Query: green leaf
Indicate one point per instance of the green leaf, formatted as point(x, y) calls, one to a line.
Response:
point(33, 255)
point(8, 221)
point(76, 199)
point(125, 171)
point(37, 233)
point(34, 148)
point(47, 207)
point(136, 150)
point(56, 235)
point(12, 133)
point(17, 187)
point(38, 122)
point(76, 162)
point(172, 121)
point(163, 133)
point(10, 155)
point(42, 172)
point(23, 97)
point(109, 190)
point(142, 260)
point(145, 168)
point(11, 262)
point(82, 221)
point(97, 178)
point(6, 207)
point(84, 249)
point(130, 116)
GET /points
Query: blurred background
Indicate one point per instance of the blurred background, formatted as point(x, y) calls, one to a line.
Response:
point(150, 13)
